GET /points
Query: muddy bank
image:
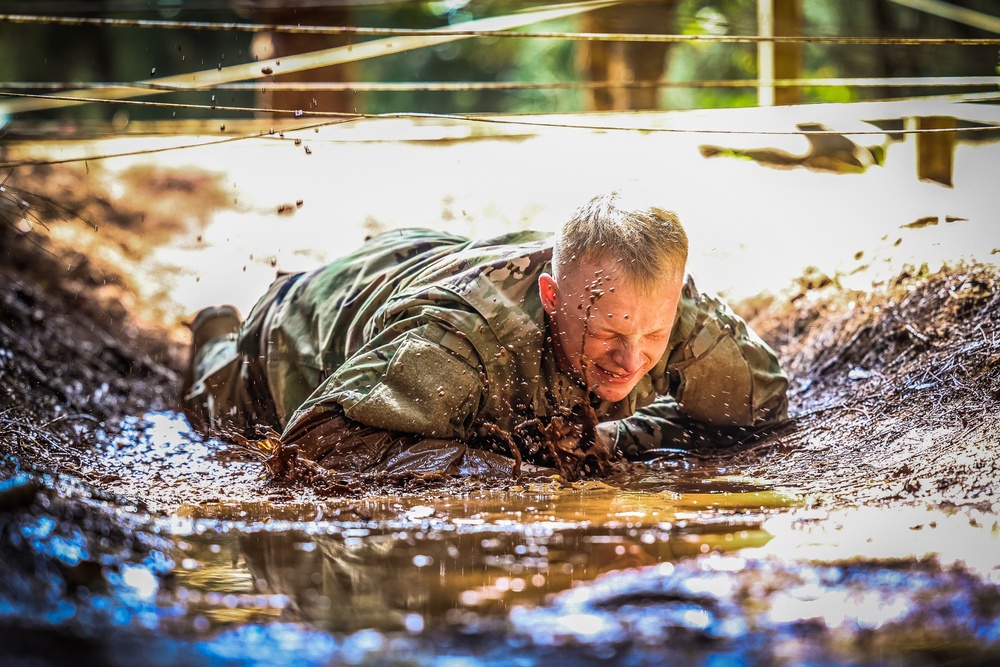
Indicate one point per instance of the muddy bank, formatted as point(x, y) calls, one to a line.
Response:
point(894, 391)
point(863, 532)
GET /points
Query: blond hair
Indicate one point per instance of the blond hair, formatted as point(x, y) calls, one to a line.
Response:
point(647, 243)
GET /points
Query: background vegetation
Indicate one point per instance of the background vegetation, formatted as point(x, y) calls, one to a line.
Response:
point(62, 55)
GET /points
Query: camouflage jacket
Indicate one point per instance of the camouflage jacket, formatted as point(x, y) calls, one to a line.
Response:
point(429, 333)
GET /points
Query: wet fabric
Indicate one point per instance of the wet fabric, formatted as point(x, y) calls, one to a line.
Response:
point(345, 445)
point(434, 335)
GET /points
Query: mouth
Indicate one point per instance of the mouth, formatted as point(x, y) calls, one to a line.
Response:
point(607, 377)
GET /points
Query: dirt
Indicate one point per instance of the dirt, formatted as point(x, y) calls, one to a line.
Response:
point(893, 394)
point(894, 391)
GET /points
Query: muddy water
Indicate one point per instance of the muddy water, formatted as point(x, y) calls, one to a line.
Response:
point(679, 562)
point(397, 562)
point(388, 564)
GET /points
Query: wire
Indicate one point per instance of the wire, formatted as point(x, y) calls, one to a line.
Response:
point(451, 86)
point(481, 119)
point(949, 11)
point(332, 56)
point(514, 121)
point(570, 36)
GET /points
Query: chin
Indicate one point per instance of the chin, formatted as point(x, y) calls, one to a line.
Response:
point(613, 394)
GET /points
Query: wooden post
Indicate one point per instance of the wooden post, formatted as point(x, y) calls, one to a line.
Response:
point(935, 150)
point(765, 53)
point(778, 18)
point(287, 44)
point(787, 57)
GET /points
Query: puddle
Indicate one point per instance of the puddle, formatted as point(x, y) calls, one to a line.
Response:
point(678, 563)
point(346, 577)
point(396, 563)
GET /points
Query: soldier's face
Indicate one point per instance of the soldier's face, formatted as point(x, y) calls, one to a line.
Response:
point(606, 331)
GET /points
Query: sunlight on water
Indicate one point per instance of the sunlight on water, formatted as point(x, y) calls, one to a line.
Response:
point(969, 538)
point(345, 578)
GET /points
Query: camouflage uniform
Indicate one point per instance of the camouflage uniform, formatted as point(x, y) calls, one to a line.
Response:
point(427, 333)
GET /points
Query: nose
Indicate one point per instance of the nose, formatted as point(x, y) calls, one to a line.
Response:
point(628, 356)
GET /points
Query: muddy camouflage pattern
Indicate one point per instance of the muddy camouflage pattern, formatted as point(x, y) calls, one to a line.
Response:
point(432, 334)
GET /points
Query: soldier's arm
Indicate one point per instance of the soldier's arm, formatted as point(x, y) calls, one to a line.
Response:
point(423, 380)
point(717, 384)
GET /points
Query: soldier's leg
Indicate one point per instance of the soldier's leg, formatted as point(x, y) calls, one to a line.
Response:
point(214, 394)
point(226, 388)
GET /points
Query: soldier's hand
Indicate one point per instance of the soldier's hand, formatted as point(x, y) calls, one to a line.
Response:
point(606, 437)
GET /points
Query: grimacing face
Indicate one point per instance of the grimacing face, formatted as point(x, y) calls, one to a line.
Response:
point(606, 331)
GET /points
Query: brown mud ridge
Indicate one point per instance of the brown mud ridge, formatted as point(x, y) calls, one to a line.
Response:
point(894, 397)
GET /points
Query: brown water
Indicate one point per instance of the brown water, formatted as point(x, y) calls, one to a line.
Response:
point(398, 563)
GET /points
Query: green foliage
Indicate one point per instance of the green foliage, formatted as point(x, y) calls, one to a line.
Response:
point(60, 53)
point(713, 61)
point(52, 53)
point(486, 59)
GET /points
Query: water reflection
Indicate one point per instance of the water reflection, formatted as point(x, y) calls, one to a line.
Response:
point(418, 561)
point(636, 499)
point(359, 578)
point(410, 563)
point(666, 564)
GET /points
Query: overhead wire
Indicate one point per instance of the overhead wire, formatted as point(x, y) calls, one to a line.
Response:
point(342, 117)
point(560, 35)
point(451, 86)
point(338, 118)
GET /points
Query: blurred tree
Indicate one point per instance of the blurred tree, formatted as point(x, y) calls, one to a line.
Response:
point(627, 62)
point(45, 53)
point(280, 44)
point(53, 53)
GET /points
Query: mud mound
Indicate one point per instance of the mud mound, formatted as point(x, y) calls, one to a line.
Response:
point(72, 360)
point(894, 392)
point(917, 325)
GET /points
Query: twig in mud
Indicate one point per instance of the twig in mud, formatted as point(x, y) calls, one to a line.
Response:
point(23, 428)
point(916, 334)
point(825, 408)
point(73, 418)
point(839, 355)
point(19, 197)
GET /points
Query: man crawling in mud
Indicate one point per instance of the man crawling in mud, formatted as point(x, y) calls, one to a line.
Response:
point(427, 351)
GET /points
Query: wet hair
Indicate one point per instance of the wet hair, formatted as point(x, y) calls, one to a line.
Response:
point(647, 243)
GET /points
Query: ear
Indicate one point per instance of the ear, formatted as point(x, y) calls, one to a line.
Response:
point(548, 289)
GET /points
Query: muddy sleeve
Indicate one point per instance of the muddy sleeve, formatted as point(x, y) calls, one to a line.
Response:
point(718, 383)
point(424, 381)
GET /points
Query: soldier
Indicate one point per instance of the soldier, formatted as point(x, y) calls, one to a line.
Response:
point(422, 350)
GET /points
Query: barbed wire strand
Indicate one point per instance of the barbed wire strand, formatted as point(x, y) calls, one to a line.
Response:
point(457, 86)
point(519, 121)
point(332, 56)
point(569, 36)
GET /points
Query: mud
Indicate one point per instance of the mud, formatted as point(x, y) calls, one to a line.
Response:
point(865, 531)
